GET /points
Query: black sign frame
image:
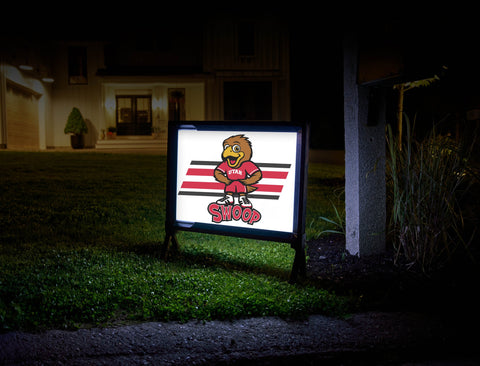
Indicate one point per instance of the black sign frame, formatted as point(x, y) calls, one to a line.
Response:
point(296, 237)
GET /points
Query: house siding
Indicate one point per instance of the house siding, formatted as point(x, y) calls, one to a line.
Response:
point(218, 61)
point(86, 97)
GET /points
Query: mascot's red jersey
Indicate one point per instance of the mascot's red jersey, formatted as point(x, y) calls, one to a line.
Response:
point(247, 168)
point(235, 174)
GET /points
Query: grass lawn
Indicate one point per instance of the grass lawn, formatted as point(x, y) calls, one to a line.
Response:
point(80, 235)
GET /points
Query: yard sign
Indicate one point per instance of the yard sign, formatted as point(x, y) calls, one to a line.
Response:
point(243, 179)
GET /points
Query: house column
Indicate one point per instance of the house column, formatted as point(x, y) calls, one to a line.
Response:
point(365, 193)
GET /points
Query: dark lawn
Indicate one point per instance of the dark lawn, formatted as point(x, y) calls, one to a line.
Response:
point(81, 233)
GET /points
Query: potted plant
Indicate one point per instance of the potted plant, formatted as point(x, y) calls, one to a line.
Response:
point(112, 132)
point(77, 127)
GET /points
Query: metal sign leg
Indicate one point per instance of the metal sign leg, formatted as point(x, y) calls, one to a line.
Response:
point(169, 237)
point(299, 267)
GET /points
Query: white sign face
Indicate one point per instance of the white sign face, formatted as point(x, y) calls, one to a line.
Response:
point(237, 178)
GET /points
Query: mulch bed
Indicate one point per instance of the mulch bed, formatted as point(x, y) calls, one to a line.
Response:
point(380, 284)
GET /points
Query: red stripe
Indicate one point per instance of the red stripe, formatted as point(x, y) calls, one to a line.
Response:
point(203, 185)
point(215, 185)
point(275, 175)
point(202, 172)
point(268, 188)
point(209, 173)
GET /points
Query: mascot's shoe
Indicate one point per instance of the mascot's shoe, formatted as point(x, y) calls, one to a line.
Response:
point(227, 200)
point(244, 202)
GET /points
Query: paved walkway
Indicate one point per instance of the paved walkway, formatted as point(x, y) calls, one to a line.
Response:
point(364, 339)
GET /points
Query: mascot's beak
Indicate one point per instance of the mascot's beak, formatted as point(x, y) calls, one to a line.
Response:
point(233, 158)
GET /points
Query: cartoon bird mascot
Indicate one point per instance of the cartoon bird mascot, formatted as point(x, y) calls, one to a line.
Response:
point(236, 171)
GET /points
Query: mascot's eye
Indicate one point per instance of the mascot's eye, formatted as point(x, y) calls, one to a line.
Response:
point(225, 147)
point(236, 148)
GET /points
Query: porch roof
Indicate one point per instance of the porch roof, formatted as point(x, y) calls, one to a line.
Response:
point(149, 71)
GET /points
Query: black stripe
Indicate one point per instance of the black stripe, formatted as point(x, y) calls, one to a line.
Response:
point(261, 165)
point(213, 194)
point(273, 165)
point(201, 162)
point(193, 193)
point(264, 196)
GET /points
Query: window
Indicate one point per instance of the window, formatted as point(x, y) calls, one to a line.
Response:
point(134, 115)
point(77, 65)
point(246, 39)
point(247, 101)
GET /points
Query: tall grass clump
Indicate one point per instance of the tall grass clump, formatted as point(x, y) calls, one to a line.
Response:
point(426, 180)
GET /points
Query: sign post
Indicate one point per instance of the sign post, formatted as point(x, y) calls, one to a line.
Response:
point(245, 179)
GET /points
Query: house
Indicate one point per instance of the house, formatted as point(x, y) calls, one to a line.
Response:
point(134, 81)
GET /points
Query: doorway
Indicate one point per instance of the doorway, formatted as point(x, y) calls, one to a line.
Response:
point(134, 115)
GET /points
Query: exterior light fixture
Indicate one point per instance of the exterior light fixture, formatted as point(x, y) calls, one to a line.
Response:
point(25, 67)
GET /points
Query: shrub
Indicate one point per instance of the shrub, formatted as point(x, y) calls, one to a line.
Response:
point(75, 123)
point(425, 181)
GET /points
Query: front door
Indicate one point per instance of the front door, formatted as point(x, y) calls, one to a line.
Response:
point(134, 115)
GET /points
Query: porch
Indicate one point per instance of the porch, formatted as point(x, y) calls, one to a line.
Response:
point(136, 143)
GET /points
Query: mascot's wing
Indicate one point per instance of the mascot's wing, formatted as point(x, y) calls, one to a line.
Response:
point(251, 189)
point(254, 178)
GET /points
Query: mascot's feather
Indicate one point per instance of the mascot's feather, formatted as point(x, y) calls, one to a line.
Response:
point(243, 142)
